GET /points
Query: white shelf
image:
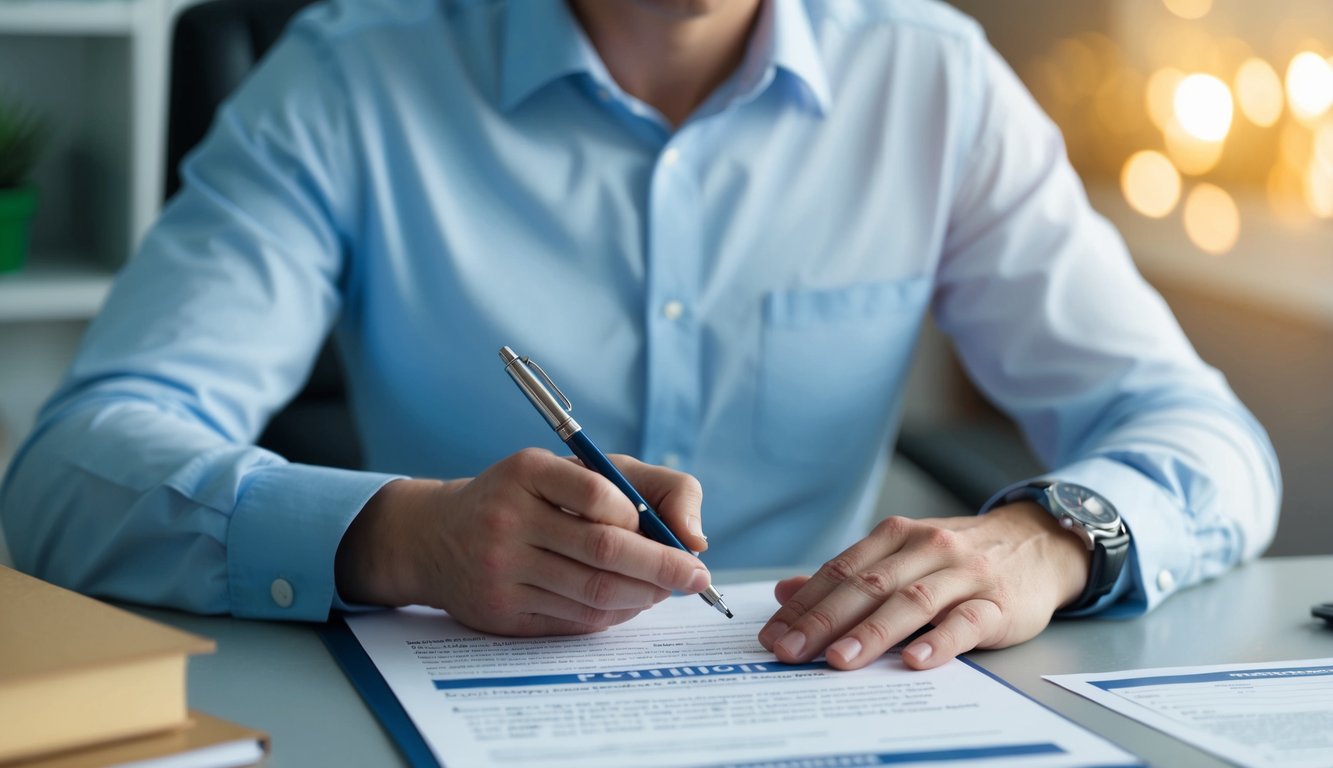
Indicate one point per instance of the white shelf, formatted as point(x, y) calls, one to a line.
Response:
point(69, 17)
point(1276, 265)
point(59, 288)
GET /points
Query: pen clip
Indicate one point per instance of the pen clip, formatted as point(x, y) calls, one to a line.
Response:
point(529, 362)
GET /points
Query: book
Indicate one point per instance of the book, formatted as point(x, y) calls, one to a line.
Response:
point(76, 672)
point(204, 741)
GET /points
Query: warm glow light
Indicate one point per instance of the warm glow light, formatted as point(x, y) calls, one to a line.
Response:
point(1150, 183)
point(1294, 144)
point(1318, 189)
point(1323, 144)
point(1259, 92)
point(1212, 220)
point(1203, 107)
point(1191, 155)
point(1309, 85)
point(1286, 194)
point(1161, 95)
point(1189, 9)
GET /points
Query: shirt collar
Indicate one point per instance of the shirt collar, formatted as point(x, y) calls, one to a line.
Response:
point(543, 42)
point(784, 40)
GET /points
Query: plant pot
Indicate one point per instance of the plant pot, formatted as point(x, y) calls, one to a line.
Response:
point(17, 206)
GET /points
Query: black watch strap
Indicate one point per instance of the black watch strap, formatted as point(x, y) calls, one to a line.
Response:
point(1108, 559)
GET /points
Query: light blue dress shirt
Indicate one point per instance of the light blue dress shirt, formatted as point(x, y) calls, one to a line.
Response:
point(738, 296)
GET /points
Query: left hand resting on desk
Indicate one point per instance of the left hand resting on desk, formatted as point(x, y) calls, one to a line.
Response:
point(988, 581)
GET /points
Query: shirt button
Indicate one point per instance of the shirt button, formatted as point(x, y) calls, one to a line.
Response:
point(672, 310)
point(671, 460)
point(670, 157)
point(1165, 581)
point(281, 592)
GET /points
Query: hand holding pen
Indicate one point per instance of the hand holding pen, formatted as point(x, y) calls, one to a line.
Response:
point(534, 545)
point(557, 414)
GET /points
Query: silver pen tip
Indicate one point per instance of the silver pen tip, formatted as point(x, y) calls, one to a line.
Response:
point(714, 598)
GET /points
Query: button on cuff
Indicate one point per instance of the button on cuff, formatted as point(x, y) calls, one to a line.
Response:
point(1165, 581)
point(282, 593)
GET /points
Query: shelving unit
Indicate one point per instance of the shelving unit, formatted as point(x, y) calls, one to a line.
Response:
point(97, 71)
point(69, 17)
point(57, 287)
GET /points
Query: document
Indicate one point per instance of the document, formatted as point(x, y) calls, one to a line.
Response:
point(1263, 715)
point(680, 685)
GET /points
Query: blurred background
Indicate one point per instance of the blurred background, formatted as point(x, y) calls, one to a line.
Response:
point(1202, 130)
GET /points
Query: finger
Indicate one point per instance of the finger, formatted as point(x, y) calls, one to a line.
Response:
point(906, 611)
point(589, 586)
point(573, 487)
point(676, 496)
point(609, 548)
point(535, 601)
point(784, 590)
point(967, 626)
point(884, 541)
point(849, 604)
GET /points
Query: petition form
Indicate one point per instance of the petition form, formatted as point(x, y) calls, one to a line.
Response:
point(1269, 715)
point(680, 685)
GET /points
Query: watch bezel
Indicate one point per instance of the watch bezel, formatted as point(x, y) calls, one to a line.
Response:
point(1059, 504)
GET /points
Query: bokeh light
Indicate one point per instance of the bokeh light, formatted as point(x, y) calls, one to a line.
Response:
point(1259, 92)
point(1323, 144)
point(1150, 183)
point(1189, 9)
point(1318, 188)
point(1161, 96)
point(1212, 220)
point(1309, 85)
point(1192, 155)
point(1203, 107)
point(1286, 194)
point(1294, 144)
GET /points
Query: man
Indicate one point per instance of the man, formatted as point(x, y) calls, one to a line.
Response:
point(718, 223)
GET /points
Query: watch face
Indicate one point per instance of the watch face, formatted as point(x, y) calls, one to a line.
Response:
point(1084, 505)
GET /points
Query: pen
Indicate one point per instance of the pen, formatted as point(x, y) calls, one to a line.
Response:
point(556, 412)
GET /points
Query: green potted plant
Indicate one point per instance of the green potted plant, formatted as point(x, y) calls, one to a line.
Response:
point(20, 143)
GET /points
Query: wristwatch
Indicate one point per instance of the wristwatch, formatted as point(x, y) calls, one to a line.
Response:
point(1092, 518)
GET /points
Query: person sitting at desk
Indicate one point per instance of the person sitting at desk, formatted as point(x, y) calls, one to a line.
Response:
point(719, 223)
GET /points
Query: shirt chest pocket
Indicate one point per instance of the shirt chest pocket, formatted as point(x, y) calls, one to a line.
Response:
point(831, 368)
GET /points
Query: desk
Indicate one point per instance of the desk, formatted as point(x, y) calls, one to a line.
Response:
point(280, 678)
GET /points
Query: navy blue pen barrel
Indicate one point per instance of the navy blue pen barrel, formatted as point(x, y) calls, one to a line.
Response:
point(649, 523)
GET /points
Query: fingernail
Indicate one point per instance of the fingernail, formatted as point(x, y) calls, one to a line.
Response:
point(699, 581)
point(848, 648)
point(695, 527)
point(793, 643)
point(920, 652)
point(772, 632)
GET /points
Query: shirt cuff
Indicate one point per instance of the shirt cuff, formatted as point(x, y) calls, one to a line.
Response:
point(1159, 536)
point(284, 535)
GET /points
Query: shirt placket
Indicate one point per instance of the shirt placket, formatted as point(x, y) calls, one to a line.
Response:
point(674, 243)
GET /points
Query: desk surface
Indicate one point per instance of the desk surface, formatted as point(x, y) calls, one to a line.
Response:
point(280, 678)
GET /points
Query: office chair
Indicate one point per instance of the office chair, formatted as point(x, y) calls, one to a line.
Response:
point(214, 45)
